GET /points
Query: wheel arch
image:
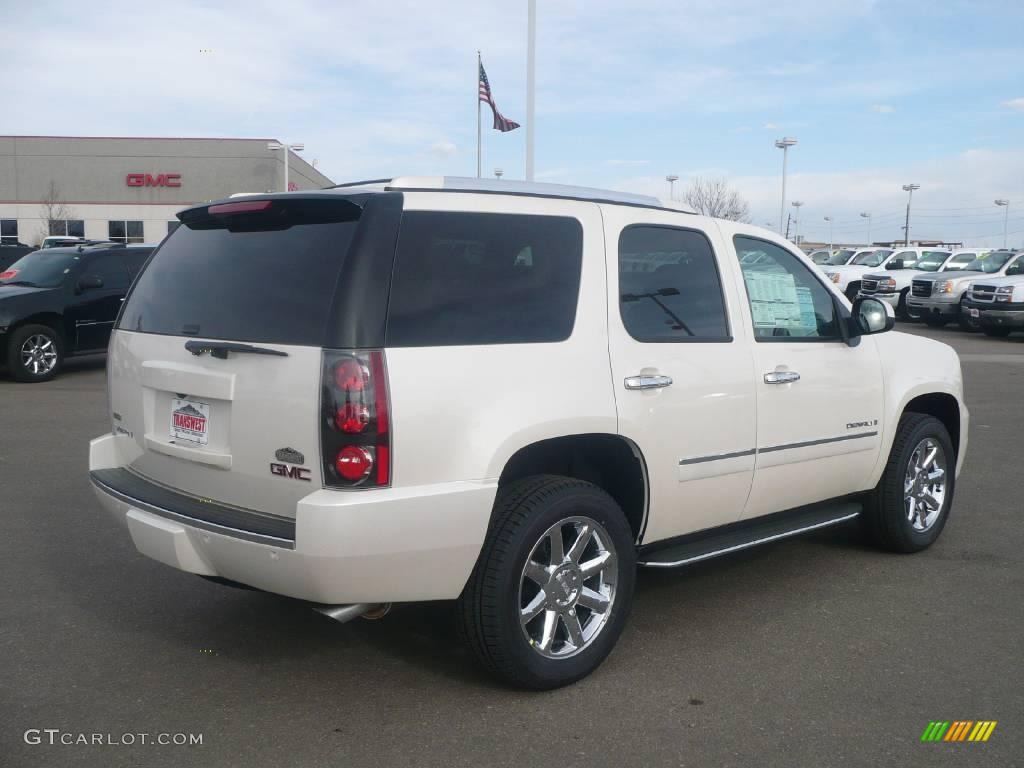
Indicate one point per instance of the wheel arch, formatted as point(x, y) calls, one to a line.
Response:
point(53, 320)
point(610, 461)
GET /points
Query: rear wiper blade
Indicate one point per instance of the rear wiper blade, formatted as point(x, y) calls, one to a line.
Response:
point(220, 349)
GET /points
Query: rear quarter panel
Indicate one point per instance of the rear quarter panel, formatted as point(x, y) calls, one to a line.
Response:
point(460, 412)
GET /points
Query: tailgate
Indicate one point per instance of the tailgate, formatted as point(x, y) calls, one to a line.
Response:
point(242, 431)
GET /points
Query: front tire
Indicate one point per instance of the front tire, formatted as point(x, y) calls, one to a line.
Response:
point(908, 509)
point(552, 588)
point(34, 353)
point(902, 313)
point(966, 322)
point(934, 320)
point(995, 332)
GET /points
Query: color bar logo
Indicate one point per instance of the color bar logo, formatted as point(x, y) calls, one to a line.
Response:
point(959, 730)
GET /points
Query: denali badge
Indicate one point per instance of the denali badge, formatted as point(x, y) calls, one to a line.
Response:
point(289, 456)
point(858, 424)
point(295, 473)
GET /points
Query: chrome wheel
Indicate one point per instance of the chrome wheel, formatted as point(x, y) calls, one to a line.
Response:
point(924, 485)
point(567, 587)
point(38, 354)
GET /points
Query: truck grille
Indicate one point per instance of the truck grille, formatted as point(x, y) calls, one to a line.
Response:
point(921, 288)
point(984, 293)
point(869, 286)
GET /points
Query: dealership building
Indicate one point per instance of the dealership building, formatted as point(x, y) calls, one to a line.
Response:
point(129, 189)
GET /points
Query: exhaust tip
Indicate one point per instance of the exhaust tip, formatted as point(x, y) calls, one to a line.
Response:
point(377, 612)
point(348, 611)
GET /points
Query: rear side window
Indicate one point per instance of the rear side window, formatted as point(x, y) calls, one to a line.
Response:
point(253, 274)
point(134, 259)
point(484, 278)
point(109, 268)
point(669, 288)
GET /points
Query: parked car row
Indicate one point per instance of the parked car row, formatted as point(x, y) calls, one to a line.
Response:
point(974, 287)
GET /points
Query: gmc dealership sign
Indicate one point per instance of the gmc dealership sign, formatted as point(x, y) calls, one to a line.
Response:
point(149, 180)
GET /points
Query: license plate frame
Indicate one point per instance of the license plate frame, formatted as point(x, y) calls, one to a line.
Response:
point(190, 420)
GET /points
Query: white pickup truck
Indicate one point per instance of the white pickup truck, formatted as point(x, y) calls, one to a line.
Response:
point(939, 298)
point(509, 395)
point(998, 303)
point(893, 285)
point(847, 276)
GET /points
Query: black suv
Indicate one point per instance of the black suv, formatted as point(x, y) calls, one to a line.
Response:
point(62, 302)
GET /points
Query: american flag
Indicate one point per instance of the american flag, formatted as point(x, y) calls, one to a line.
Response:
point(501, 123)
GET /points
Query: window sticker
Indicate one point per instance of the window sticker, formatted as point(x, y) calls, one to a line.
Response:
point(776, 302)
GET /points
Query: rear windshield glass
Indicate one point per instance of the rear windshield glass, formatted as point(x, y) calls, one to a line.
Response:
point(44, 269)
point(266, 275)
point(484, 278)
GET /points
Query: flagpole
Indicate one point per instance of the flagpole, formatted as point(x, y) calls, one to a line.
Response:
point(479, 130)
point(531, 51)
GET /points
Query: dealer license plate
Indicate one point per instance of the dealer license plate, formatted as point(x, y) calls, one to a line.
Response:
point(190, 420)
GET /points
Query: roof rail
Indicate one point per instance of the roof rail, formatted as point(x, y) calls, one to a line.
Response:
point(511, 187)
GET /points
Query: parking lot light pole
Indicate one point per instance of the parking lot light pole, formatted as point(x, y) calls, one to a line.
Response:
point(671, 179)
point(1006, 216)
point(276, 145)
point(796, 226)
point(866, 215)
point(910, 189)
point(829, 220)
point(784, 144)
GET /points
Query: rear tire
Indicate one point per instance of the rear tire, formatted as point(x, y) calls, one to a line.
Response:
point(908, 509)
point(34, 353)
point(531, 614)
point(995, 331)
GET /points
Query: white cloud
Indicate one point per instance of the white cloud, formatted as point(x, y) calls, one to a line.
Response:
point(770, 127)
point(882, 109)
point(443, 149)
point(626, 162)
point(1017, 104)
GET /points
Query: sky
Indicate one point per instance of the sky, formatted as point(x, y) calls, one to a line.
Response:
point(878, 94)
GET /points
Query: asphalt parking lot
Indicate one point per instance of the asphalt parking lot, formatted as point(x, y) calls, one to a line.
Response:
point(811, 652)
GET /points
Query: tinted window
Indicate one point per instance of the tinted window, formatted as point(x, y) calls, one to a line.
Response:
point(172, 225)
point(76, 228)
point(267, 276)
point(669, 288)
point(133, 259)
point(125, 231)
point(1017, 267)
point(484, 278)
point(109, 268)
point(786, 301)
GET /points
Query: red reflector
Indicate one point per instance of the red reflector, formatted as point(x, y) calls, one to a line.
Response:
point(248, 206)
point(352, 418)
point(351, 375)
point(383, 465)
point(353, 463)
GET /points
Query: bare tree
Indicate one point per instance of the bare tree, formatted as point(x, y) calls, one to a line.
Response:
point(714, 197)
point(52, 210)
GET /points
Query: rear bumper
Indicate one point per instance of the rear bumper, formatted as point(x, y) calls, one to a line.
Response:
point(378, 546)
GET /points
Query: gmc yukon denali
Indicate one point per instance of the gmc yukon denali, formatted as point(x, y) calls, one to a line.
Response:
point(510, 395)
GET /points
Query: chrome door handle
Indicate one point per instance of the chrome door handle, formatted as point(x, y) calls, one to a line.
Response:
point(647, 382)
point(781, 377)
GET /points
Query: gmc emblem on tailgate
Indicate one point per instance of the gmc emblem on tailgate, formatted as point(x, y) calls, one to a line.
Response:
point(295, 473)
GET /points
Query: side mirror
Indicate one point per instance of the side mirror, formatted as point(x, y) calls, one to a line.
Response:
point(870, 316)
point(895, 264)
point(89, 282)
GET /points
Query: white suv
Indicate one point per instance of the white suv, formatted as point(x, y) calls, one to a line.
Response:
point(507, 394)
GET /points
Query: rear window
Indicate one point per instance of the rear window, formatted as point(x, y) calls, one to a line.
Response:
point(484, 278)
point(259, 275)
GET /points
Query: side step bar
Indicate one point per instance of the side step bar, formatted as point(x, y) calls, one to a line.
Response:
point(704, 545)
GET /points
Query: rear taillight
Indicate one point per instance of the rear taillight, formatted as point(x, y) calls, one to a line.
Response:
point(355, 425)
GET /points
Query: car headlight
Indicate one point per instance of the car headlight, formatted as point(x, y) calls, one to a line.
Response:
point(1004, 293)
point(946, 286)
point(887, 283)
point(833, 276)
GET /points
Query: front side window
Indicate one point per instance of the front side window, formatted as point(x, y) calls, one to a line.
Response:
point(1017, 267)
point(787, 302)
point(959, 262)
point(484, 278)
point(669, 286)
point(125, 231)
point(8, 231)
point(109, 268)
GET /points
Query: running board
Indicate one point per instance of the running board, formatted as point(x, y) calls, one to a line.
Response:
point(713, 542)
